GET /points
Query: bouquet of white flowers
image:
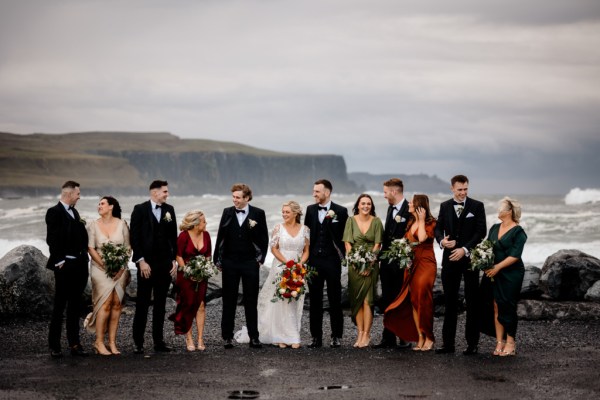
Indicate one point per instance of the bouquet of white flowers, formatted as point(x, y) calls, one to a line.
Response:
point(482, 256)
point(360, 258)
point(199, 268)
point(400, 251)
point(115, 258)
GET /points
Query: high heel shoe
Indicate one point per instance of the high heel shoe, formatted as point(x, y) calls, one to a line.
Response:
point(190, 344)
point(358, 339)
point(513, 352)
point(201, 345)
point(427, 347)
point(499, 348)
point(418, 346)
point(113, 348)
point(100, 349)
point(366, 341)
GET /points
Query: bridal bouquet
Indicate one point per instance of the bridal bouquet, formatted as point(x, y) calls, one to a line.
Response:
point(291, 282)
point(482, 256)
point(115, 258)
point(360, 258)
point(199, 268)
point(400, 251)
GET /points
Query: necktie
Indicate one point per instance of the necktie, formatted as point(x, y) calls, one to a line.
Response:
point(240, 211)
point(322, 208)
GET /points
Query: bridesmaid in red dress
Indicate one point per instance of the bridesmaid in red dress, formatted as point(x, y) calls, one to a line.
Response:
point(192, 241)
point(410, 316)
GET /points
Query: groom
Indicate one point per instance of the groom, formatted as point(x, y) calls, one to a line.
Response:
point(326, 221)
point(241, 247)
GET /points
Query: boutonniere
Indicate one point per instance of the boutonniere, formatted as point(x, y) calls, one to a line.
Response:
point(251, 223)
point(330, 215)
point(83, 221)
point(167, 217)
point(398, 218)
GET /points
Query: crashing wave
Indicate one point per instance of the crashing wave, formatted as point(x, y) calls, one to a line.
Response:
point(582, 196)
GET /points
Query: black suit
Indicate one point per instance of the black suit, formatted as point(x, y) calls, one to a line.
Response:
point(326, 253)
point(68, 241)
point(468, 230)
point(391, 275)
point(239, 251)
point(155, 242)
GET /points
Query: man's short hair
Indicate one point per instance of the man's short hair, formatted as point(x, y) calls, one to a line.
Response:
point(459, 178)
point(158, 184)
point(70, 185)
point(325, 183)
point(394, 182)
point(245, 189)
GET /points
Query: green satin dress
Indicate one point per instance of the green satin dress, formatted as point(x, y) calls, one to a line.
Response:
point(506, 287)
point(362, 287)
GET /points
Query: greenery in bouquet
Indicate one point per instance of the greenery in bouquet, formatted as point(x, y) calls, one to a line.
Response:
point(482, 256)
point(115, 258)
point(199, 268)
point(401, 252)
point(360, 258)
point(291, 282)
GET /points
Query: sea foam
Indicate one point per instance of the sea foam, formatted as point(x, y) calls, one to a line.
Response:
point(582, 196)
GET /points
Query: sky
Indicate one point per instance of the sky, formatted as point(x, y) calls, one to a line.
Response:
point(506, 92)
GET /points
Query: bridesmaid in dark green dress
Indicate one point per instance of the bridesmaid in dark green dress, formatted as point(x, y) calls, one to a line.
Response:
point(505, 279)
point(363, 228)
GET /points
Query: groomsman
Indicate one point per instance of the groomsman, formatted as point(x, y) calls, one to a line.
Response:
point(391, 275)
point(461, 225)
point(326, 221)
point(68, 241)
point(241, 247)
point(153, 237)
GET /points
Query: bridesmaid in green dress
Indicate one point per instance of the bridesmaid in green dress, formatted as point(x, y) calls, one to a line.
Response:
point(363, 228)
point(505, 279)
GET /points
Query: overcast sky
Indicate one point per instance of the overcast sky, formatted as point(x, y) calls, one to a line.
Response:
point(507, 92)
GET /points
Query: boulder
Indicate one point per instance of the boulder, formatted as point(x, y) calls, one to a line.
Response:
point(569, 274)
point(593, 293)
point(562, 310)
point(531, 283)
point(26, 286)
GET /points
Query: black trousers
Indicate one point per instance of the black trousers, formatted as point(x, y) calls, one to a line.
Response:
point(248, 271)
point(452, 273)
point(329, 270)
point(158, 283)
point(70, 282)
point(392, 277)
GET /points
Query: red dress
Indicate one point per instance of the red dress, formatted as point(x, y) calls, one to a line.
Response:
point(417, 292)
point(190, 294)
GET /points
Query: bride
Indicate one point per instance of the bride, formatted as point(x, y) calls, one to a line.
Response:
point(279, 322)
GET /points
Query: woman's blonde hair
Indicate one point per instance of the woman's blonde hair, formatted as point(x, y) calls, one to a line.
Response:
point(295, 208)
point(190, 220)
point(508, 204)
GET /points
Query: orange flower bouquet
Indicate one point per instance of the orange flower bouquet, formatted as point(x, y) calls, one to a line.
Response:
point(291, 282)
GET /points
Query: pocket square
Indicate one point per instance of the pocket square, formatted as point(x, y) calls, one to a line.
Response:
point(335, 221)
point(403, 220)
point(470, 215)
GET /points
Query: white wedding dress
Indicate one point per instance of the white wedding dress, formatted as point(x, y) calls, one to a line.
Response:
point(279, 322)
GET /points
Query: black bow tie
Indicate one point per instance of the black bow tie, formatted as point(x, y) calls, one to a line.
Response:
point(157, 206)
point(71, 208)
point(240, 211)
point(322, 208)
point(459, 203)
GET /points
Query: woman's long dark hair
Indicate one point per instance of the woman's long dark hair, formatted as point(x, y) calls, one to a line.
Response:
point(421, 200)
point(116, 211)
point(355, 208)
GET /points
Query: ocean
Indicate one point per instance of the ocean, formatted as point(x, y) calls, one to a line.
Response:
point(552, 223)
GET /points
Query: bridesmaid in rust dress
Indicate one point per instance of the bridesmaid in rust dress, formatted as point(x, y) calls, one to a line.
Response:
point(192, 241)
point(410, 316)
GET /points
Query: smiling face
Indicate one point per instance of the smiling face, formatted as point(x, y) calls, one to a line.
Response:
point(321, 194)
point(460, 189)
point(201, 227)
point(365, 205)
point(287, 214)
point(71, 197)
point(239, 201)
point(160, 195)
point(390, 193)
point(104, 208)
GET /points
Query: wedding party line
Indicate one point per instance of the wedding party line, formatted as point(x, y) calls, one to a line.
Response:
point(309, 249)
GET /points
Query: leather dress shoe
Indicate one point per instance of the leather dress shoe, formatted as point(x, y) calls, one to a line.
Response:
point(162, 347)
point(403, 344)
point(56, 353)
point(384, 345)
point(138, 350)
point(471, 350)
point(316, 343)
point(228, 344)
point(445, 350)
point(255, 344)
point(78, 351)
point(335, 343)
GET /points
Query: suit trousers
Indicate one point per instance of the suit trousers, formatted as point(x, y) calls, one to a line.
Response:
point(158, 285)
point(329, 270)
point(392, 277)
point(70, 282)
point(452, 273)
point(248, 271)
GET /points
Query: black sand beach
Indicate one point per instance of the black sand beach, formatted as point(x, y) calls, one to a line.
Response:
point(555, 359)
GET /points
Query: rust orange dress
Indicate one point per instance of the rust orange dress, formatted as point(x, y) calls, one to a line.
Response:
point(417, 292)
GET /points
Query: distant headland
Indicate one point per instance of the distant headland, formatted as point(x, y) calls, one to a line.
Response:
point(125, 162)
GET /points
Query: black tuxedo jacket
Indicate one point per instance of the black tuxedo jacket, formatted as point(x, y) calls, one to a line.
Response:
point(65, 236)
point(142, 228)
point(468, 230)
point(334, 227)
point(395, 230)
point(259, 234)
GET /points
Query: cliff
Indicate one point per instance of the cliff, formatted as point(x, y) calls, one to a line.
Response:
point(126, 162)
